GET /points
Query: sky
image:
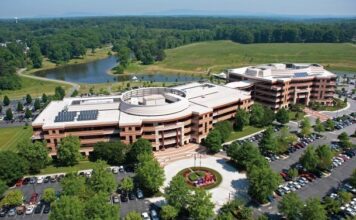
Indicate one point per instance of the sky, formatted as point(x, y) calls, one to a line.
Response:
point(70, 8)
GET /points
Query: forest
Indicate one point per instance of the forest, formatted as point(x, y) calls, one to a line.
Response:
point(145, 38)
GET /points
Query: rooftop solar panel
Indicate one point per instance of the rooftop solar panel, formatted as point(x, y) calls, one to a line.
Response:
point(65, 116)
point(88, 115)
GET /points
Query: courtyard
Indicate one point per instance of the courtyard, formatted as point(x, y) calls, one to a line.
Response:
point(233, 184)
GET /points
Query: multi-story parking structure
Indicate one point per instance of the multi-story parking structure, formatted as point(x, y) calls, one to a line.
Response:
point(280, 85)
point(167, 117)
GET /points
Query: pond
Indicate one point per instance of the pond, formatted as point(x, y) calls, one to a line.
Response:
point(96, 72)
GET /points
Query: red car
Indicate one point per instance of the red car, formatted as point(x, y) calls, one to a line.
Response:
point(19, 183)
point(34, 198)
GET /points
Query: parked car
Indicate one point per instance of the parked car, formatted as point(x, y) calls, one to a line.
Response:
point(12, 212)
point(154, 215)
point(20, 210)
point(139, 194)
point(121, 169)
point(53, 179)
point(115, 199)
point(47, 208)
point(29, 209)
point(40, 179)
point(39, 208)
point(123, 197)
point(46, 179)
point(145, 216)
point(131, 195)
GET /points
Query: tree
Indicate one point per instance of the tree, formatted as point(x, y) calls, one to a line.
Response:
point(169, 212)
point(19, 107)
point(329, 125)
point(263, 182)
point(75, 93)
point(309, 159)
point(293, 173)
point(28, 113)
point(6, 101)
point(313, 210)
point(28, 99)
point(127, 184)
point(332, 206)
point(284, 139)
point(74, 185)
point(133, 215)
point(213, 141)
point(344, 140)
point(306, 127)
point(3, 187)
point(37, 104)
point(325, 156)
point(36, 56)
point(35, 153)
point(68, 151)
point(243, 154)
point(177, 193)
point(101, 180)
point(235, 209)
point(282, 116)
point(257, 115)
point(353, 179)
point(12, 198)
point(291, 206)
point(242, 119)
point(200, 206)
point(225, 128)
point(59, 93)
point(140, 146)
point(112, 152)
point(0, 108)
point(345, 197)
point(268, 142)
point(97, 207)
point(318, 127)
point(8, 115)
point(67, 208)
point(149, 173)
point(49, 195)
point(44, 98)
point(12, 167)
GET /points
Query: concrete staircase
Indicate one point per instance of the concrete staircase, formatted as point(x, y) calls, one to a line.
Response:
point(173, 154)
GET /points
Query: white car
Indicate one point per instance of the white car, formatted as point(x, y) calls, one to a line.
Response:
point(115, 170)
point(145, 216)
point(40, 179)
point(296, 185)
point(29, 209)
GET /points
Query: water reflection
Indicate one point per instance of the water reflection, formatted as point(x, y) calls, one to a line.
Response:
point(96, 72)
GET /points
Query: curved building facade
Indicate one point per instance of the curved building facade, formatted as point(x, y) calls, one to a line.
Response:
point(279, 85)
point(167, 117)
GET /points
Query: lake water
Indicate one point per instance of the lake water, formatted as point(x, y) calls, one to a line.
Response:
point(96, 72)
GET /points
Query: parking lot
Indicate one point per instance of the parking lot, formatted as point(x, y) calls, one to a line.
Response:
point(139, 205)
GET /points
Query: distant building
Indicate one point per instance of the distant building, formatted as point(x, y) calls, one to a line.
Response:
point(280, 85)
point(168, 117)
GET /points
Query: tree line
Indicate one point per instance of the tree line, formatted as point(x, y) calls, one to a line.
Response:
point(145, 38)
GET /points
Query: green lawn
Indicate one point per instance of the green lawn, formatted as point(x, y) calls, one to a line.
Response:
point(10, 137)
point(83, 165)
point(246, 131)
point(33, 87)
point(219, 55)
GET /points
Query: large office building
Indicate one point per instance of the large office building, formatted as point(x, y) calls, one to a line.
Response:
point(280, 85)
point(167, 117)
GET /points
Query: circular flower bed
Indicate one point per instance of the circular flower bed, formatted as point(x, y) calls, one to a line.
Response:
point(201, 177)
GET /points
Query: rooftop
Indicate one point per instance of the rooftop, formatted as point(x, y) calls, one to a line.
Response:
point(134, 106)
point(281, 71)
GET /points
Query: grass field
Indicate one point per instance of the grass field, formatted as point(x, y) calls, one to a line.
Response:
point(218, 55)
point(10, 137)
point(33, 87)
point(83, 165)
point(246, 131)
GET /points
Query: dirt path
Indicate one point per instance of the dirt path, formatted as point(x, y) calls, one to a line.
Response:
point(75, 86)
